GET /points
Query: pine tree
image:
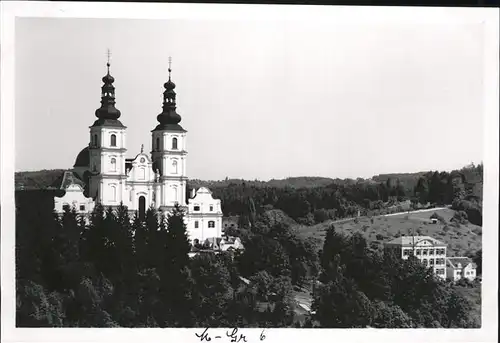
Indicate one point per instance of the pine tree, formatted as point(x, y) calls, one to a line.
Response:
point(65, 248)
point(151, 226)
point(140, 242)
point(94, 240)
point(176, 283)
point(177, 241)
point(333, 246)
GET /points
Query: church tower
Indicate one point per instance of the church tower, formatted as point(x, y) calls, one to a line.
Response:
point(107, 149)
point(169, 151)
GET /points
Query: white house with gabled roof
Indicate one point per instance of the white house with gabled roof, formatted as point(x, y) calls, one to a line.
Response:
point(460, 268)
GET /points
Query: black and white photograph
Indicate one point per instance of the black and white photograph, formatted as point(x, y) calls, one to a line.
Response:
point(238, 169)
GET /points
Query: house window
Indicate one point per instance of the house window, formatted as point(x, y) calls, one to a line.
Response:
point(113, 140)
point(113, 164)
point(211, 208)
point(157, 143)
point(424, 252)
point(174, 143)
point(66, 207)
point(440, 271)
point(196, 208)
point(82, 207)
point(211, 224)
point(425, 262)
point(419, 252)
point(439, 261)
point(431, 261)
point(431, 251)
point(406, 252)
point(196, 224)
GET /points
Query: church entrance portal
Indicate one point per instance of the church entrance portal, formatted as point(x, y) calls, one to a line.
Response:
point(142, 206)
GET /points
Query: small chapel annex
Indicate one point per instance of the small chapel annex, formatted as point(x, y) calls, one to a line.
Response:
point(103, 174)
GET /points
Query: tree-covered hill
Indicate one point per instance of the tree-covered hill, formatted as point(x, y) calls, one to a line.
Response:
point(40, 179)
point(310, 200)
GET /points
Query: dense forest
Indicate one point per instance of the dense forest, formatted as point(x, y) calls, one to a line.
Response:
point(313, 200)
point(115, 272)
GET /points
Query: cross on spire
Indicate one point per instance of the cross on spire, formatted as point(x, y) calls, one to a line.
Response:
point(109, 59)
point(169, 66)
point(142, 148)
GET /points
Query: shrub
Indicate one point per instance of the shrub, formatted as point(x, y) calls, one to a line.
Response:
point(438, 217)
point(379, 237)
point(460, 217)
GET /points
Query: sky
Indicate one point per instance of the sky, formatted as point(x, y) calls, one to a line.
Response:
point(259, 99)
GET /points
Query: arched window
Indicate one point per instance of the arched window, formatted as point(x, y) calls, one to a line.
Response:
point(113, 193)
point(211, 224)
point(94, 142)
point(113, 164)
point(174, 167)
point(158, 143)
point(174, 143)
point(174, 193)
point(113, 140)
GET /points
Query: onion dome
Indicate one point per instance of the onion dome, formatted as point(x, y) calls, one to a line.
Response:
point(169, 119)
point(169, 85)
point(83, 158)
point(108, 114)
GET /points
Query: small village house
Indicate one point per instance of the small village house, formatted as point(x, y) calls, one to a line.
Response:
point(460, 268)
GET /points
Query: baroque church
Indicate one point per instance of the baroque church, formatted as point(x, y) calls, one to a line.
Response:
point(103, 174)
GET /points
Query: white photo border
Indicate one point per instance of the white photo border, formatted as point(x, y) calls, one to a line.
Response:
point(488, 17)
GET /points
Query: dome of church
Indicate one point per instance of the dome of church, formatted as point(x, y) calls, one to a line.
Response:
point(169, 85)
point(83, 158)
point(108, 79)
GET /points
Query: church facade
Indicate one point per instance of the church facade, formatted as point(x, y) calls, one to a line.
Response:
point(103, 173)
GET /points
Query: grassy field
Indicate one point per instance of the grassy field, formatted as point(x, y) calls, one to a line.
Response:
point(461, 240)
